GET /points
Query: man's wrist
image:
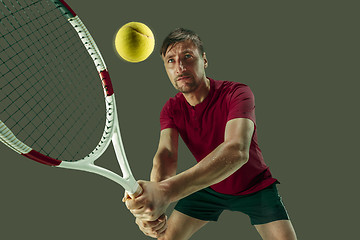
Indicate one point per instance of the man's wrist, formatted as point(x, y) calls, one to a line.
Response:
point(168, 186)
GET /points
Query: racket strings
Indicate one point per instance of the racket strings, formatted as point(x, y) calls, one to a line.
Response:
point(50, 90)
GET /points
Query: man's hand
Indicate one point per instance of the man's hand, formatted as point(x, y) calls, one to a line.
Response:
point(151, 204)
point(154, 229)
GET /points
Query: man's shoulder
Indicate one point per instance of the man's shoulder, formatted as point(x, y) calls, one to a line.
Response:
point(175, 100)
point(229, 86)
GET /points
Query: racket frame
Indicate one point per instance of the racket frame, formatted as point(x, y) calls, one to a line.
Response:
point(111, 131)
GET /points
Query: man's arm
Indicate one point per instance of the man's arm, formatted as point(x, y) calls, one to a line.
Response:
point(223, 161)
point(227, 158)
point(165, 159)
point(164, 167)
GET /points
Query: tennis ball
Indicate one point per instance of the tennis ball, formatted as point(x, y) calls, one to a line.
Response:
point(134, 42)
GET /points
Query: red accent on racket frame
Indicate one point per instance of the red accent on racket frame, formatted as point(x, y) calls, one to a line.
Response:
point(41, 158)
point(106, 82)
point(68, 7)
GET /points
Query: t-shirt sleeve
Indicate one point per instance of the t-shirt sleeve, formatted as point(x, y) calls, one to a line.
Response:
point(166, 117)
point(241, 103)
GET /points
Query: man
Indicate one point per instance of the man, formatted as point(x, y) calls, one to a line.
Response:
point(216, 120)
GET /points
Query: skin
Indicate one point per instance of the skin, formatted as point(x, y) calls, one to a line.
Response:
point(185, 67)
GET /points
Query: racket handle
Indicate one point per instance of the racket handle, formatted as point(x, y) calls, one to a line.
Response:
point(137, 193)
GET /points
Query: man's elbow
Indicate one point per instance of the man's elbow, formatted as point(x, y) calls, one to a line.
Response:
point(244, 157)
point(240, 153)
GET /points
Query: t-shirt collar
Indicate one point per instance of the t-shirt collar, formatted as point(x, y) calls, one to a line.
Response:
point(207, 99)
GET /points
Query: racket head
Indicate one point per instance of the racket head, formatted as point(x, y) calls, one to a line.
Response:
point(53, 82)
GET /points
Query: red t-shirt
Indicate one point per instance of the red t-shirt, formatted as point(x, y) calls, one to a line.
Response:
point(202, 128)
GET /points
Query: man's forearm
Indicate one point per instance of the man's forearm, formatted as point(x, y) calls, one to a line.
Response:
point(218, 165)
point(164, 166)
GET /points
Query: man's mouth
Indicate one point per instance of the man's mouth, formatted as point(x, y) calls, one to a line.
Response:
point(180, 78)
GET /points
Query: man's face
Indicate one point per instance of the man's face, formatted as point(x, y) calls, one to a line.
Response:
point(185, 66)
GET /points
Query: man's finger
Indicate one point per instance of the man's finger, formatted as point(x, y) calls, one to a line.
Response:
point(155, 228)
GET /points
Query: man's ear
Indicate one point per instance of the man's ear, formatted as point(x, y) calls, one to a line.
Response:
point(206, 63)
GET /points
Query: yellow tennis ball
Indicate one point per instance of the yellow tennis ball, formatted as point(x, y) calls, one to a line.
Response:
point(134, 42)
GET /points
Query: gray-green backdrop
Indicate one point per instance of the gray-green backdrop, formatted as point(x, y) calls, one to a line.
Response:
point(300, 58)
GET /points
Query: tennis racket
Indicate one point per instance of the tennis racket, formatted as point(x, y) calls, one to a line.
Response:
point(53, 83)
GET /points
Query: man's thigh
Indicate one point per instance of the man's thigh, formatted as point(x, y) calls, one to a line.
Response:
point(277, 230)
point(181, 226)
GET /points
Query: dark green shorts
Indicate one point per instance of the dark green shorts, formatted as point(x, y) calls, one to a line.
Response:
point(262, 207)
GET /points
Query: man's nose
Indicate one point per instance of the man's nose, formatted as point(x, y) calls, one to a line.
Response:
point(180, 67)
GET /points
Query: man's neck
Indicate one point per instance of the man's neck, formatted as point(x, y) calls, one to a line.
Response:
point(199, 95)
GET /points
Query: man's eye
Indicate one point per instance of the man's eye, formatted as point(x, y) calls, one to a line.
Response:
point(170, 60)
point(188, 56)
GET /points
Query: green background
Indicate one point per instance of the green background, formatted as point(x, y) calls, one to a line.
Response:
point(301, 60)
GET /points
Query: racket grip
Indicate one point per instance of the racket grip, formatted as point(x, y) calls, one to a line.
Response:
point(137, 193)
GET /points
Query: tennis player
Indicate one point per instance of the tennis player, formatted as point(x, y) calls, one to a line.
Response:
point(216, 120)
